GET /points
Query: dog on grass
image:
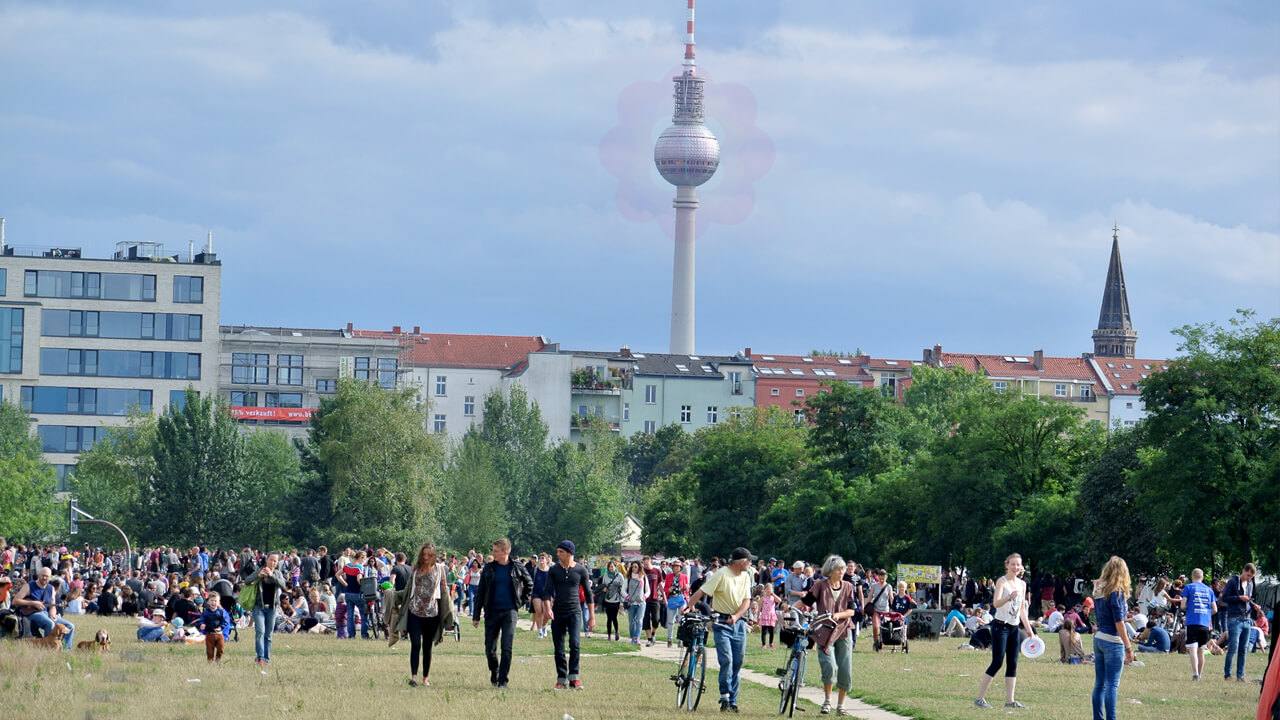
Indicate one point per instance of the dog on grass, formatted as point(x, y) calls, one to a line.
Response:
point(101, 642)
point(53, 640)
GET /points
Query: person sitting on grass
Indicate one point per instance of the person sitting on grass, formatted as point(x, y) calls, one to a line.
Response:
point(954, 622)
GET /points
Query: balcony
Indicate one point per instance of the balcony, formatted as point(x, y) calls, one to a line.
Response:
point(1089, 399)
point(582, 422)
point(584, 381)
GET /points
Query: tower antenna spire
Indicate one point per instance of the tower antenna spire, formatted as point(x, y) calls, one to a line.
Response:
point(688, 40)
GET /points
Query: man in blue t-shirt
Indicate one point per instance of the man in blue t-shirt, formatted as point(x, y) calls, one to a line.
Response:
point(1199, 603)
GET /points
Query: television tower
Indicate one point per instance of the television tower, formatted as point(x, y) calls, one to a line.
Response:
point(687, 155)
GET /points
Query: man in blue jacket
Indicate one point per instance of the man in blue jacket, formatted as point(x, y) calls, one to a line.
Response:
point(504, 588)
point(1238, 598)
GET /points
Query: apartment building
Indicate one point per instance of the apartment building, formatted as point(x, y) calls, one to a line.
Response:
point(83, 341)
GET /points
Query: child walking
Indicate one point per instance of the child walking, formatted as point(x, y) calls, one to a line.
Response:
point(768, 615)
point(215, 623)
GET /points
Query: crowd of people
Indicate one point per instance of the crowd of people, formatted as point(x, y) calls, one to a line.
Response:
point(208, 596)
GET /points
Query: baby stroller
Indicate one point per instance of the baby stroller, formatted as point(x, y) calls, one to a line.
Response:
point(371, 595)
point(893, 632)
point(455, 629)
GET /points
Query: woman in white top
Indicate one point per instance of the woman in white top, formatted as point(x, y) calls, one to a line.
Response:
point(1010, 602)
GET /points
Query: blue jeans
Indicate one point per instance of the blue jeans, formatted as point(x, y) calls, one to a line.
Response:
point(1108, 662)
point(355, 604)
point(264, 624)
point(586, 615)
point(45, 623)
point(1237, 642)
point(571, 625)
point(731, 648)
point(150, 634)
point(635, 617)
point(471, 597)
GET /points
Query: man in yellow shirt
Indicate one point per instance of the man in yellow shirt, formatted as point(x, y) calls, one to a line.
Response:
point(729, 589)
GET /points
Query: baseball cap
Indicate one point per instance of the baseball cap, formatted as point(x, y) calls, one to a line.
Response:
point(741, 553)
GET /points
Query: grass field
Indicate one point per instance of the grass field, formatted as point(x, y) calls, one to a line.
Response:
point(314, 676)
point(319, 676)
point(939, 682)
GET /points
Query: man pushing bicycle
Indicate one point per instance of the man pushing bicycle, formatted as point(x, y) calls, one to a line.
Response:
point(729, 589)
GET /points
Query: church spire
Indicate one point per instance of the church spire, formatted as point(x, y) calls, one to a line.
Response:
point(1115, 336)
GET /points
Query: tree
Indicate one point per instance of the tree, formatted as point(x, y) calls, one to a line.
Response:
point(812, 521)
point(669, 515)
point(27, 482)
point(653, 455)
point(474, 510)
point(110, 477)
point(937, 396)
point(271, 476)
point(858, 431)
point(1208, 473)
point(312, 498)
point(1108, 500)
point(197, 491)
point(383, 464)
point(587, 493)
point(734, 463)
point(514, 430)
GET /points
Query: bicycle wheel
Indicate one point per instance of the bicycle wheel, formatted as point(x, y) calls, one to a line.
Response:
point(788, 686)
point(684, 678)
point(700, 670)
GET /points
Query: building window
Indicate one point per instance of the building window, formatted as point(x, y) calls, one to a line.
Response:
point(120, 325)
point(68, 438)
point(362, 368)
point(11, 340)
point(735, 414)
point(250, 368)
point(48, 400)
point(1000, 385)
point(1060, 390)
point(774, 392)
point(650, 394)
point(686, 413)
point(650, 427)
point(242, 398)
point(735, 382)
point(387, 372)
point(713, 414)
point(187, 289)
point(469, 405)
point(284, 400)
point(327, 386)
point(439, 424)
point(799, 392)
point(1128, 406)
point(626, 412)
point(799, 415)
point(288, 369)
point(1086, 391)
point(442, 384)
point(889, 383)
point(4, 282)
point(105, 286)
point(120, 363)
point(178, 400)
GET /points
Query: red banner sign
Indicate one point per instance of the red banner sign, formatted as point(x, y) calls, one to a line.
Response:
point(281, 414)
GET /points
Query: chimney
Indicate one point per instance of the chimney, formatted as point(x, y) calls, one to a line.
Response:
point(350, 327)
point(928, 356)
point(937, 356)
point(395, 329)
point(1040, 360)
point(625, 351)
point(417, 329)
point(747, 352)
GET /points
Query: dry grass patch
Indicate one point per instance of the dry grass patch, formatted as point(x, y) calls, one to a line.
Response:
point(319, 676)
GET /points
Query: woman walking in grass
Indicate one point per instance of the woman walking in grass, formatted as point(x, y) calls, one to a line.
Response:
point(428, 594)
point(612, 586)
point(1009, 600)
point(634, 600)
point(1111, 647)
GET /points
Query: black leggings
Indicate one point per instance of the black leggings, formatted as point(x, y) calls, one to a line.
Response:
point(766, 631)
point(1004, 644)
point(422, 632)
point(611, 621)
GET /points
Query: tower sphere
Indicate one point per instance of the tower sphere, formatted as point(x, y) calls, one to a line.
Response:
point(687, 154)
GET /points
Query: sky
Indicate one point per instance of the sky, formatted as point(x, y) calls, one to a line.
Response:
point(893, 175)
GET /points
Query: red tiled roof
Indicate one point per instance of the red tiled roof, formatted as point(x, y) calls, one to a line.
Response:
point(885, 364)
point(1055, 368)
point(807, 364)
point(968, 361)
point(461, 351)
point(1126, 374)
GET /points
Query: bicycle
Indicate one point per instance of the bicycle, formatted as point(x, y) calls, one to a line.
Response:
point(799, 635)
point(692, 633)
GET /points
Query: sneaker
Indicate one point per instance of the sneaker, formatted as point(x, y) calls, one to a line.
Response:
point(650, 643)
point(561, 686)
point(1195, 677)
point(724, 706)
point(734, 709)
point(826, 708)
point(413, 683)
point(502, 686)
point(668, 643)
point(770, 646)
point(575, 685)
point(982, 704)
point(1016, 704)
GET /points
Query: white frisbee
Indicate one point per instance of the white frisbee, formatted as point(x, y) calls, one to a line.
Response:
point(1033, 647)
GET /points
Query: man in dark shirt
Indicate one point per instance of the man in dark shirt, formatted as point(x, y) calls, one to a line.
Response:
point(570, 585)
point(147, 598)
point(652, 601)
point(310, 567)
point(134, 582)
point(401, 573)
point(504, 588)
